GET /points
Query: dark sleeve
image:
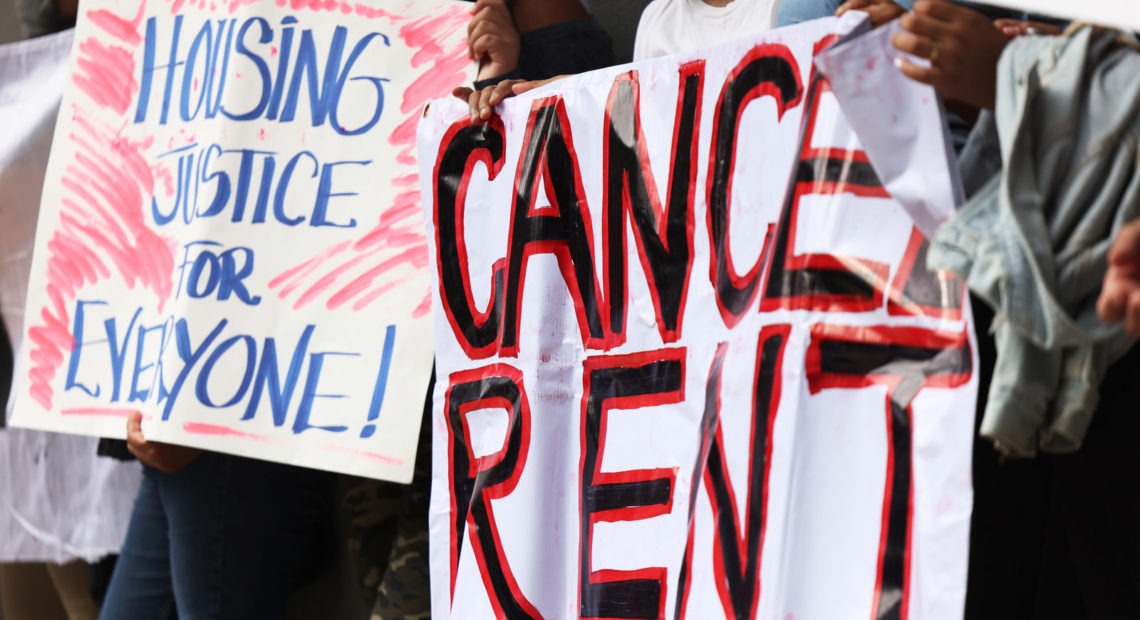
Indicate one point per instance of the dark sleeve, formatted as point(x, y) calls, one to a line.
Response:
point(114, 448)
point(569, 47)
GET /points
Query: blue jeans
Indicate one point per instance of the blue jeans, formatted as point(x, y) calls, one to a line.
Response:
point(224, 538)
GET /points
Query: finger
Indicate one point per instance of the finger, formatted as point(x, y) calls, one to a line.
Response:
point(925, 25)
point(485, 101)
point(473, 104)
point(476, 19)
point(488, 44)
point(502, 90)
point(926, 75)
point(1132, 313)
point(1043, 28)
point(481, 5)
point(461, 92)
point(487, 26)
point(852, 5)
point(522, 87)
point(883, 13)
point(1113, 297)
point(942, 10)
point(913, 44)
point(1125, 250)
point(134, 428)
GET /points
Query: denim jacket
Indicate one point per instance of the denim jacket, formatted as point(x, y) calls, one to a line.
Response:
point(1033, 242)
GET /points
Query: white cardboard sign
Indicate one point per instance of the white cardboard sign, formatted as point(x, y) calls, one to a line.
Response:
point(230, 240)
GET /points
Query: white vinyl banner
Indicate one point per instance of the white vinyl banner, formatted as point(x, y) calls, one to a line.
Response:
point(230, 239)
point(690, 361)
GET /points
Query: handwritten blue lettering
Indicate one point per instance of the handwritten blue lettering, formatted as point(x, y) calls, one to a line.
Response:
point(299, 78)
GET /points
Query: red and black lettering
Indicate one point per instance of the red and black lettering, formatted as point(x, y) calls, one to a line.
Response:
point(632, 381)
point(562, 229)
point(919, 291)
point(823, 282)
point(737, 547)
point(664, 235)
point(905, 360)
point(462, 148)
point(768, 70)
point(475, 481)
point(709, 423)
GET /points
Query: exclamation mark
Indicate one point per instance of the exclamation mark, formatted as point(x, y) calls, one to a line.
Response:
point(381, 382)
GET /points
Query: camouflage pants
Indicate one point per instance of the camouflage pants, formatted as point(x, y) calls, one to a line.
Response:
point(388, 538)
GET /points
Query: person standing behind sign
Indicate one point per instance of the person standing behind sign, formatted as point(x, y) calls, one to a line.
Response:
point(672, 26)
point(216, 536)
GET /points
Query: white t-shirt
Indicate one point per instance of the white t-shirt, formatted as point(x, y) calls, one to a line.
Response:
point(672, 26)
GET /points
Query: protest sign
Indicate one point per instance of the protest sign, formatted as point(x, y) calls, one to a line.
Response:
point(58, 499)
point(690, 362)
point(231, 239)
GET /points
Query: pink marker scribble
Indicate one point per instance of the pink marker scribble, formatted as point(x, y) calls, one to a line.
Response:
point(102, 229)
point(105, 412)
point(381, 259)
point(216, 430)
point(100, 72)
point(372, 456)
point(121, 29)
point(423, 309)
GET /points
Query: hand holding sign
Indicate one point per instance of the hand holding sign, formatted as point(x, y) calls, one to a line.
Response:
point(165, 457)
point(963, 48)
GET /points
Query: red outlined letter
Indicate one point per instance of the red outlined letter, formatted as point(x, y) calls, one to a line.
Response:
point(664, 235)
point(918, 291)
point(823, 282)
point(623, 382)
point(476, 481)
point(905, 360)
point(767, 70)
point(562, 229)
point(738, 547)
point(463, 146)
